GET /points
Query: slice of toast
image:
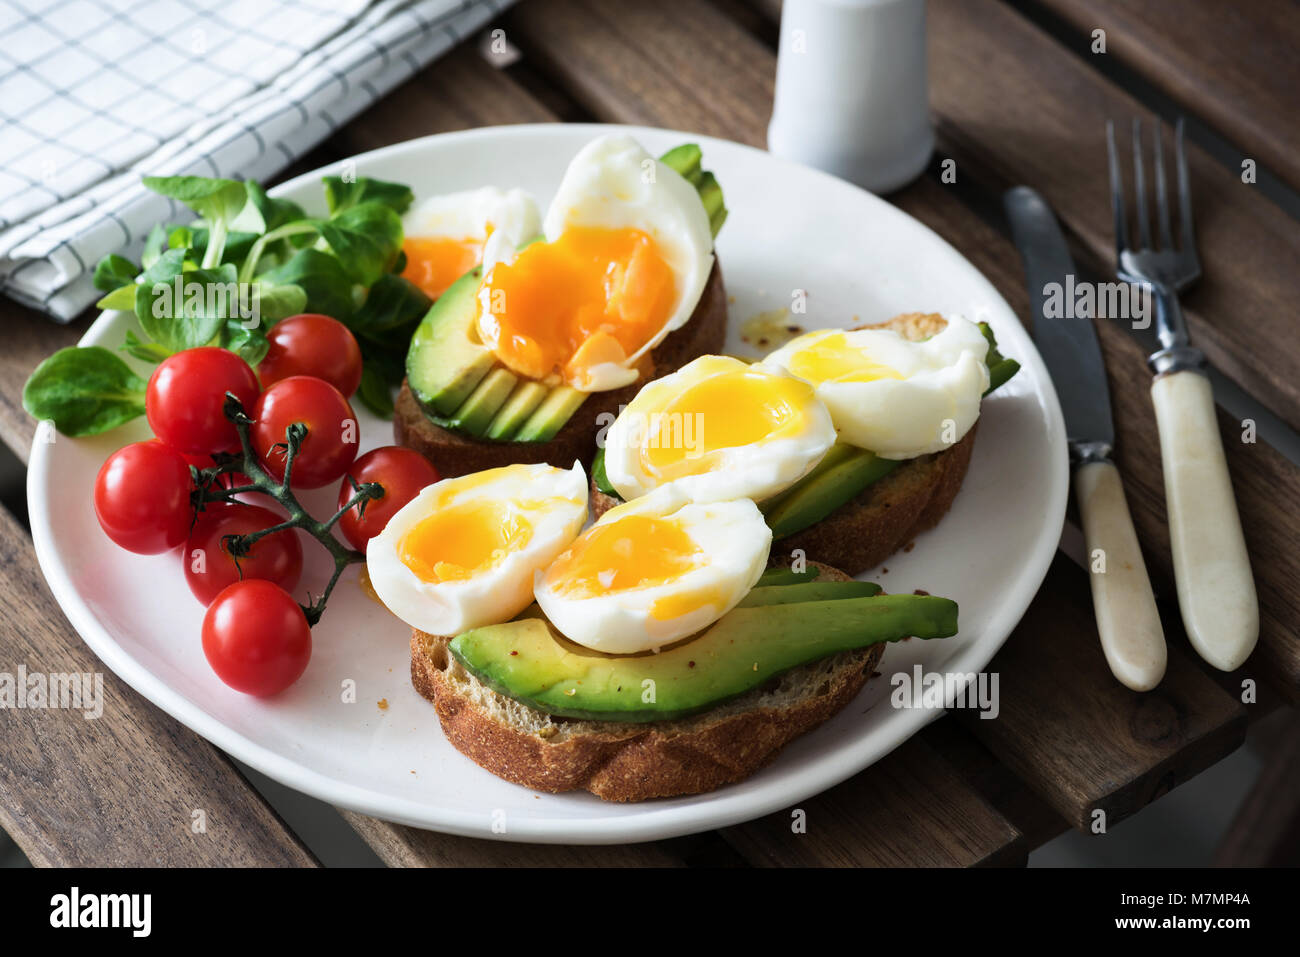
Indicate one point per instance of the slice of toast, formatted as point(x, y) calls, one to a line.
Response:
point(455, 453)
point(635, 762)
point(888, 514)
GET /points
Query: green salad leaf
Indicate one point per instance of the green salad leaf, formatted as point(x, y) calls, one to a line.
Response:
point(84, 390)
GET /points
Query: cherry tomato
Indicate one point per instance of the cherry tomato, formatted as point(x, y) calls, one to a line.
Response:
point(142, 498)
point(401, 471)
point(256, 637)
point(312, 344)
point(209, 566)
point(186, 394)
point(332, 431)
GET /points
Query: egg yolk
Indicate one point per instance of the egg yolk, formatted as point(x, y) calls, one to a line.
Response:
point(593, 296)
point(638, 551)
point(832, 359)
point(434, 263)
point(458, 541)
point(723, 411)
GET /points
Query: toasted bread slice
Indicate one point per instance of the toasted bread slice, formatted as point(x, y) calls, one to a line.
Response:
point(457, 454)
point(887, 515)
point(635, 762)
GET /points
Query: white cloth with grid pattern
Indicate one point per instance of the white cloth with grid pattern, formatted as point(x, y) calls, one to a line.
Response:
point(95, 95)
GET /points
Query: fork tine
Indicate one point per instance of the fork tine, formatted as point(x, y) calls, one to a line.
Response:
point(1140, 187)
point(1116, 192)
point(1162, 197)
point(1184, 197)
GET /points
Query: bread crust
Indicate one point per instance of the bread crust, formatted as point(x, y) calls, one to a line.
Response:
point(457, 454)
point(888, 514)
point(637, 762)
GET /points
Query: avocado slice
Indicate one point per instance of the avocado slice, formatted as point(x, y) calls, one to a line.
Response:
point(787, 576)
point(823, 490)
point(481, 408)
point(807, 591)
point(684, 159)
point(446, 361)
point(527, 660)
point(528, 395)
point(549, 417)
point(601, 477)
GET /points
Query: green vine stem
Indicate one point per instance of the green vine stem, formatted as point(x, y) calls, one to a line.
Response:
point(210, 490)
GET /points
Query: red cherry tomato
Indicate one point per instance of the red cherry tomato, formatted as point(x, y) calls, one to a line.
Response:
point(256, 637)
point(315, 345)
point(142, 498)
point(186, 394)
point(332, 430)
point(209, 566)
point(401, 471)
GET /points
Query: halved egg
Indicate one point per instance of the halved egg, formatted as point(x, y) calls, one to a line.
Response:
point(445, 235)
point(464, 552)
point(888, 394)
point(654, 570)
point(627, 253)
point(718, 428)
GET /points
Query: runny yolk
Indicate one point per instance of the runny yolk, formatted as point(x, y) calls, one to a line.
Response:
point(434, 263)
point(638, 551)
point(458, 541)
point(723, 411)
point(832, 359)
point(592, 296)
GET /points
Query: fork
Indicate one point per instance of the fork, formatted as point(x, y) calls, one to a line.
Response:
point(1216, 591)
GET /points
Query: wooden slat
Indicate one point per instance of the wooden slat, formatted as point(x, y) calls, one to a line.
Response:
point(457, 92)
point(1233, 64)
point(911, 809)
point(119, 789)
point(1266, 829)
point(1014, 104)
point(29, 337)
point(400, 846)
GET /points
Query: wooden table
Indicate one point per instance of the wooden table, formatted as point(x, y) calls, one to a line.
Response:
point(1017, 96)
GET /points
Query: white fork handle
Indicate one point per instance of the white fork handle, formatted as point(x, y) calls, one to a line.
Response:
point(1216, 591)
point(1127, 619)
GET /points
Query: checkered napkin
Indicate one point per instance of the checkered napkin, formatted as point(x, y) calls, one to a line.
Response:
point(95, 95)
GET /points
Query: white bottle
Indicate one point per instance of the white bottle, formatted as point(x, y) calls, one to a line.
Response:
point(851, 91)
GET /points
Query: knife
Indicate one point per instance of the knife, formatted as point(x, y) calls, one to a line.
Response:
point(1127, 619)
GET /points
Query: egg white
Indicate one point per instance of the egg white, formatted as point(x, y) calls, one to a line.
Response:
point(756, 470)
point(931, 408)
point(476, 214)
point(735, 539)
point(553, 501)
point(613, 183)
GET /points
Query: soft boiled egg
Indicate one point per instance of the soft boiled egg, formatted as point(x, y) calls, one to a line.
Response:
point(626, 256)
point(464, 552)
point(888, 394)
point(445, 235)
point(719, 428)
point(654, 570)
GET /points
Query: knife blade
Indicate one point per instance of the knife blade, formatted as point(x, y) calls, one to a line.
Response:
point(1128, 621)
point(1069, 346)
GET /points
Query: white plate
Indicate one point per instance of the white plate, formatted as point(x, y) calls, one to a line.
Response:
point(859, 258)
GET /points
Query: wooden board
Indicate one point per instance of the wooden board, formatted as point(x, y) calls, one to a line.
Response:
point(1265, 481)
point(29, 338)
point(1244, 81)
point(1017, 107)
point(1077, 736)
point(910, 809)
point(122, 789)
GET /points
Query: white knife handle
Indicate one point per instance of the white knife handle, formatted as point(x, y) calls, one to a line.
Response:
point(1127, 619)
point(1216, 591)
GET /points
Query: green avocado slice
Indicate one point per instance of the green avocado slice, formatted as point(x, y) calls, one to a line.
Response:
point(527, 660)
